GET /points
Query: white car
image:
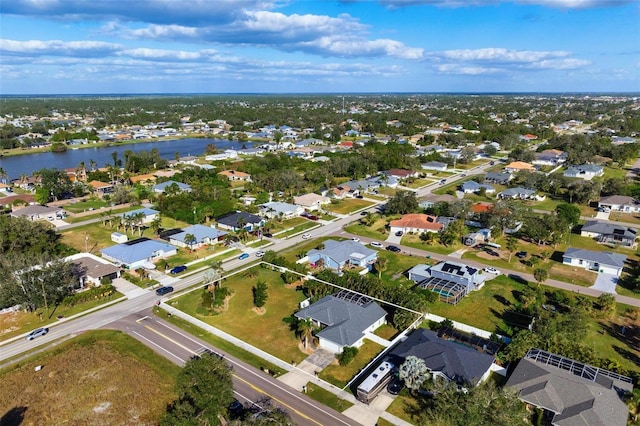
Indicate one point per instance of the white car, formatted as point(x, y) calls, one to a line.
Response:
point(356, 239)
point(306, 236)
point(376, 244)
point(493, 271)
point(259, 253)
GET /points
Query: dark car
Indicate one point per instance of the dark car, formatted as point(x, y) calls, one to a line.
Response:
point(399, 234)
point(395, 386)
point(164, 290)
point(37, 333)
point(521, 254)
point(235, 409)
point(393, 249)
point(312, 217)
point(178, 269)
point(268, 235)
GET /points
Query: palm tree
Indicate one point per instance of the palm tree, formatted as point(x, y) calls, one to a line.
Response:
point(156, 224)
point(540, 275)
point(216, 266)
point(139, 221)
point(381, 265)
point(190, 239)
point(511, 245)
point(305, 329)
point(3, 175)
point(92, 164)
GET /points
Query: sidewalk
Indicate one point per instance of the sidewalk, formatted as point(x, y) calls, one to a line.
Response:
point(296, 377)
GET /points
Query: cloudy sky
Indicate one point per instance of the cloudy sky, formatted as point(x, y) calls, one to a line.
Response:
point(295, 46)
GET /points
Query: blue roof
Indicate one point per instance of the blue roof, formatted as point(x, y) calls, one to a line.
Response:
point(144, 210)
point(163, 186)
point(128, 253)
point(200, 232)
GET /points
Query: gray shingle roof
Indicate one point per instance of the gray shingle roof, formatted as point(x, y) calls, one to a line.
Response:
point(341, 251)
point(461, 364)
point(200, 232)
point(602, 257)
point(606, 228)
point(128, 253)
point(231, 219)
point(345, 320)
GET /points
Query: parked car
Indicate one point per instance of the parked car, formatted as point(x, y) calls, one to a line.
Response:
point(243, 256)
point(399, 234)
point(363, 213)
point(178, 269)
point(463, 174)
point(259, 253)
point(312, 217)
point(395, 386)
point(164, 290)
point(493, 271)
point(393, 249)
point(521, 254)
point(356, 239)
point(268, 235)
point(306, 236)
point(37, 333)
point(376, 244)
point(359, 196)
point(492, 163)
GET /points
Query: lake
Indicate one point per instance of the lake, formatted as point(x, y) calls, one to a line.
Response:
point(18, 165)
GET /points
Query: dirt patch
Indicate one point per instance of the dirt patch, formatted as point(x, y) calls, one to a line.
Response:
point(90, 384)
point(9, 322)
point(225, 305)
point(259, 311)
point(294, 285)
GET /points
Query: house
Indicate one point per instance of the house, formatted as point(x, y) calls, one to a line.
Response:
point(431, 200)
point(473, 238)
point(235, 175)
point(435, 165)
point(401, 173)
point(453, 280)
point(473, 187)
point(94, 269)
point(147, 215)
point(17, 200)
point(446, 359)
point(100, 188)
point(37, 212)
point(7, 189)
point(416, 222)
point(164, 186)
point(143, 179)
point(550, 157)
point(237, 220)
point(585, 171)
point(346, 317)
point(620, 203)
point(600, 261)
point(338, 254)
point(570, 392)
point(517, 166)
point(517, 193)
point(480, 207)
point(419, 272)
point(342, 191)
point(498, 178)
point(138, 253)
point(203, 236)
point(311, 201)
point(610, 233)
point(275, 209)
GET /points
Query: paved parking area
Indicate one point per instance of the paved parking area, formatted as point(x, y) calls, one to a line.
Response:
point(606, 283)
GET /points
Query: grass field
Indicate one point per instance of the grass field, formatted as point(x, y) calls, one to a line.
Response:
point(100, 377)
point(339, 375)
point(327, 398)
point(401, 406)
point(266, 331)
point(348, 205)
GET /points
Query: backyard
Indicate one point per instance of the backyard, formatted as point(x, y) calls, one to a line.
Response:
point(267, 330)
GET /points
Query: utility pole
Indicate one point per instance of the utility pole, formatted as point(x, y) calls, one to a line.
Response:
point(86, 243)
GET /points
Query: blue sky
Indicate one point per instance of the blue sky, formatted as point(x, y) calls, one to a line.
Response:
point(317, 46)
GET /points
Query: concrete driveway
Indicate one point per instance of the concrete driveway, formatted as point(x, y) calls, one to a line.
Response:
point(606, 283)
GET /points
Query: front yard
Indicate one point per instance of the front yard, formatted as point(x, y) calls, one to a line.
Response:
point(339, 375)
point(347, 205)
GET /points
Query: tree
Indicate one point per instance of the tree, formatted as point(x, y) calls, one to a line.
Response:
point(381, 265)
point(347, 355)
point(606, 303)
point(204, 391)
point(260, 294)
point(305, 329)
point(511, 245)
point(540, 275)
point(156, 224)
point(413, 372)
point(568, 213)
point(401, 203)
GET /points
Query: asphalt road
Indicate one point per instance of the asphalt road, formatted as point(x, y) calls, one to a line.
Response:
point(249, 384)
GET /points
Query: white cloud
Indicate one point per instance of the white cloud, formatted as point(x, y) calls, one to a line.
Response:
point(466, 70)
point(356, 47)
point(170, 55)
point(500, 55)
point(57, 47)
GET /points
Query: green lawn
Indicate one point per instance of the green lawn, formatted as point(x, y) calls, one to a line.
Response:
point(401, 405)
point(92, 204)
point(97, 215)
point(347, 205)
point(377, 230)
point(266, 331)
point(327, 398)
point(298, 229)
point(397, 266)
point(414, 241)
point(340, 375)
point(286, 224)
point(419, 183)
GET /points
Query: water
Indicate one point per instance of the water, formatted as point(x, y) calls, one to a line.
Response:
point(28, 163)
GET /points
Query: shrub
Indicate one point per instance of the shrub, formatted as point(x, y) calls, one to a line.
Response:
point(347, 355)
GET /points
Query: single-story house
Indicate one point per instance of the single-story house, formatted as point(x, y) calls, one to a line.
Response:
point(148, 215)
point(445, 359)
point(7, 189)
point(517, 193)
point(419, 272)
point(100, 188)
point(517, 166)
point(499, 178)
point(550, 157)
point(311, 201)
point(342, 191)
point(347, 319)
point(416, 222)
point(162, 187)
point(338, 254)
point(610, 233)
point(585, 171)
point(274, 209)
point(138, 253)
point(620, 203)
point(453, 280)
point(38, 212)
point(94, 268)
point(235, 175)
point(432, 199)
point(478, 237)
point(237, 220)
point(434, 165)
point(203, 236)
point(599, 261)
point(570, 392)
point(17, 200)
point(401, 173)
point(472, 187)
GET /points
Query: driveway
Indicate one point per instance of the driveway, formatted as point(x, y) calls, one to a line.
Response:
point(606, 283)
